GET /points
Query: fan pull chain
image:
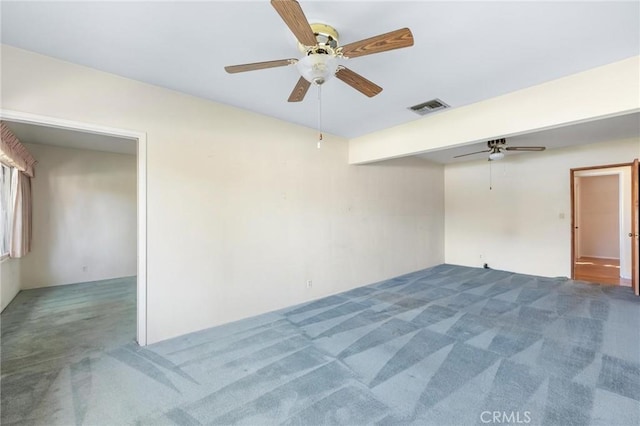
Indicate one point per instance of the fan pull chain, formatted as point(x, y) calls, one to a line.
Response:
point(319, 115)
point(490, 176)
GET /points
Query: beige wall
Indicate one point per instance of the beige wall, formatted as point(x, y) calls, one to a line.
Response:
point(9, 281)
point(599, 223)
point(524, 223)
point(243, 209)
point(84, 217)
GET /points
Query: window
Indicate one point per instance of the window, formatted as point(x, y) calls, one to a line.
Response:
point(5, 214)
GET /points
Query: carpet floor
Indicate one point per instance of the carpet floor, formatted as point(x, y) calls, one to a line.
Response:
point(449, 345)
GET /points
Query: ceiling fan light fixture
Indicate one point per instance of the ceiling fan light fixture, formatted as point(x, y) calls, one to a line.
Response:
point(317, 68)
point(497, 155)
point(321, 48)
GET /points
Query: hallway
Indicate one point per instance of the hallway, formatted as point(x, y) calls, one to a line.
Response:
point(602, 271)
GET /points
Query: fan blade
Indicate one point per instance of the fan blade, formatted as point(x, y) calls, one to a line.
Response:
point(525, 148)
point(292, 15)
point(358, 82)
point(299, 91)
point(232, 69)
point(472, 153)
point(381, 43)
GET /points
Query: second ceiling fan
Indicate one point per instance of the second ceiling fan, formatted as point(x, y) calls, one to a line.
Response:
point(321, 50)
point(496, 148)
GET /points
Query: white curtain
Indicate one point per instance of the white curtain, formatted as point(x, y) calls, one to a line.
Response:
point(20, 243)
point(16, 156)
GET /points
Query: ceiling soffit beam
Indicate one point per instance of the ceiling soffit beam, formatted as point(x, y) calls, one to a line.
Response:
point(606, 91)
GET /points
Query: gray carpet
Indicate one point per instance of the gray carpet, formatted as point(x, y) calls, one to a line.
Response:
point(448, 345)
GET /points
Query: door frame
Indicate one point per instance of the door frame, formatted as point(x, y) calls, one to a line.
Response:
point(141, 176)
point(635, 227)
point(634, 216)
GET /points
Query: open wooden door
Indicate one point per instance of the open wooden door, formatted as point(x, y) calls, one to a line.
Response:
point(574, 225)
point(635, 229)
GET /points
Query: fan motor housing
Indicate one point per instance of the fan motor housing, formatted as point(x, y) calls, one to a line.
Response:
point(497, 143)
point(327, 38)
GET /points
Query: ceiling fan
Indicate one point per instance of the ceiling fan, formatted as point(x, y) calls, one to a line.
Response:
point(497, 148)
point(321, 49)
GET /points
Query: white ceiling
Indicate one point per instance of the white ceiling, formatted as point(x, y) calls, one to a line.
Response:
point(464, 52)
point(43, 135)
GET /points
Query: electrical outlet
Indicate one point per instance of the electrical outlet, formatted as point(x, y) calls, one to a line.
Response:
point(309, 283)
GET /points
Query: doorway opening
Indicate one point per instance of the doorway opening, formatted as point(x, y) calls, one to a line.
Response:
point(604, 220)
point(141, 159)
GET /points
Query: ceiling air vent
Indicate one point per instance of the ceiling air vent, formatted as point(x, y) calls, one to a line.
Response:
point(429, 107)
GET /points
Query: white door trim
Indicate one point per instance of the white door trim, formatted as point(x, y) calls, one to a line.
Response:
point(141, 138)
